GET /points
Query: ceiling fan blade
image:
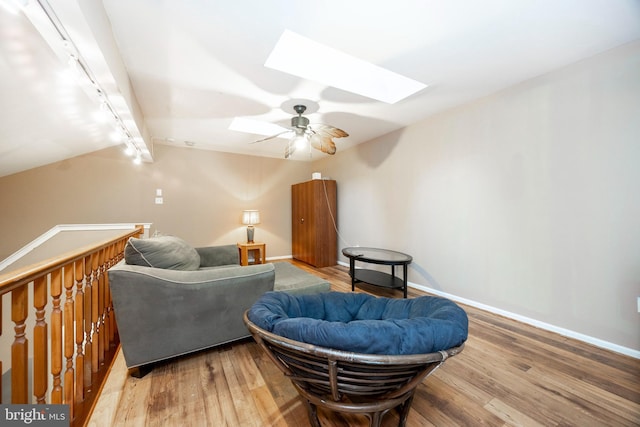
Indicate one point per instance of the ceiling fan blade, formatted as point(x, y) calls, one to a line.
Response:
point(290, 148)
point(329, 130)
point(271, 137)
point(323, 143)
point(322, 137)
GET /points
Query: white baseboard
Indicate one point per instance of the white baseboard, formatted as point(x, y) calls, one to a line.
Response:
point(275, 258)
point(533, 322)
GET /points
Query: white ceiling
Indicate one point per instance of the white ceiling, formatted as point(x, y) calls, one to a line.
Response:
point(194, 65)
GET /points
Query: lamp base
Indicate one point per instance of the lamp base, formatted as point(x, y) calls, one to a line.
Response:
point(250, 230)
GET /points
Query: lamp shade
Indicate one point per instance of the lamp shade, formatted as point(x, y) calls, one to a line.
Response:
point(251, 217)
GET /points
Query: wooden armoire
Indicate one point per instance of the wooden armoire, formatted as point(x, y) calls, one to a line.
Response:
point(314, 235)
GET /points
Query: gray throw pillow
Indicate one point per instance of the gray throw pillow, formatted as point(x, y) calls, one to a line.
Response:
point(167, 252)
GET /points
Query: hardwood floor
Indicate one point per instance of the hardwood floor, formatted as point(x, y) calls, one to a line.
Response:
point(509, 374)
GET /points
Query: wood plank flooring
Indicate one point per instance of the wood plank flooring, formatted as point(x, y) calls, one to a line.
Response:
point(509, 374)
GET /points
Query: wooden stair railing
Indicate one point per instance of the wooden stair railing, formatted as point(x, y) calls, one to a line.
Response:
point(74, 334)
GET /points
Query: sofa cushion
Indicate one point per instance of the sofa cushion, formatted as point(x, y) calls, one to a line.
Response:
point(167, 252)
point(294, 280)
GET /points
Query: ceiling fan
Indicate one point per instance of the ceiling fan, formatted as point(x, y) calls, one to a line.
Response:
point(319, 136)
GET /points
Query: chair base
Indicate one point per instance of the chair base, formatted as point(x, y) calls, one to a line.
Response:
point(374, 410)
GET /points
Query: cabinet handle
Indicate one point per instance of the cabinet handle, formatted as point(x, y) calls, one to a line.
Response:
point(301, 220)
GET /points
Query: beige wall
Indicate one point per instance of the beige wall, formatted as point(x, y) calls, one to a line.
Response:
point(527, 201)
point(204, 194)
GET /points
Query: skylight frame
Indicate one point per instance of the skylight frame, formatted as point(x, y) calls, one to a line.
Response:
point(302, 57)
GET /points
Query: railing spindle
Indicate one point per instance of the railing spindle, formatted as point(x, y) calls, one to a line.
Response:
point(20, 346)
point(40, 351)
point(69, 320)
point(56, 336)
point(107, 330)
point(95, 312)
point(79, 325)
point(88, 286)
point(103, 345)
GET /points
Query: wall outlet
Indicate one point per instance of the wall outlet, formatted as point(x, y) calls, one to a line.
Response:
point(159, 201)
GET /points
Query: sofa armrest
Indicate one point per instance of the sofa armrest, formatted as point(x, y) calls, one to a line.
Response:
point(213, 256)
point(166, 313)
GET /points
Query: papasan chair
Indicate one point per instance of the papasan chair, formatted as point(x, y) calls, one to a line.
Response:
point(354, 352)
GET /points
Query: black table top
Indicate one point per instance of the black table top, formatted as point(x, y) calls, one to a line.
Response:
point(377, 255)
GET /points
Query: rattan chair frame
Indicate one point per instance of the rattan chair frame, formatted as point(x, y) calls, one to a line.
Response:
point(342, 381)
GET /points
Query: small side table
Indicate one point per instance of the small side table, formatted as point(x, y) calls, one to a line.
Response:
point(374, 277)
point(259, 252)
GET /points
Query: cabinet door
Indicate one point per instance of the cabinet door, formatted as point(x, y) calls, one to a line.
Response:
point(313, 210)
point(324, 206)
point(302, 238)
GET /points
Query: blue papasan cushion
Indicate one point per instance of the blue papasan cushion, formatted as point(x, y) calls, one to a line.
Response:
point(363, 323)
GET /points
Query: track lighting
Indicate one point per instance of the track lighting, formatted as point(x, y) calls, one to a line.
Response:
point(47, 22)
point(73, 65)
point(129, 149)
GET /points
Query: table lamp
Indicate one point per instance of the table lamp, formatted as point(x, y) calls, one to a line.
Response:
point(250, 218)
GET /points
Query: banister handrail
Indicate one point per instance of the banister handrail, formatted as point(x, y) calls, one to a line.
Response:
point(13, 279)
point(65, 335)
point(59, 229)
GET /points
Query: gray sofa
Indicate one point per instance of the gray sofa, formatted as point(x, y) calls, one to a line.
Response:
point(164, 312)
point(171, 299)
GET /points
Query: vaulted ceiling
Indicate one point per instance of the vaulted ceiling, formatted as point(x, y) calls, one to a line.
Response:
point(179, 72)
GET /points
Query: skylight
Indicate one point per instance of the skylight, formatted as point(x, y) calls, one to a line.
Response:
point(303, 57)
